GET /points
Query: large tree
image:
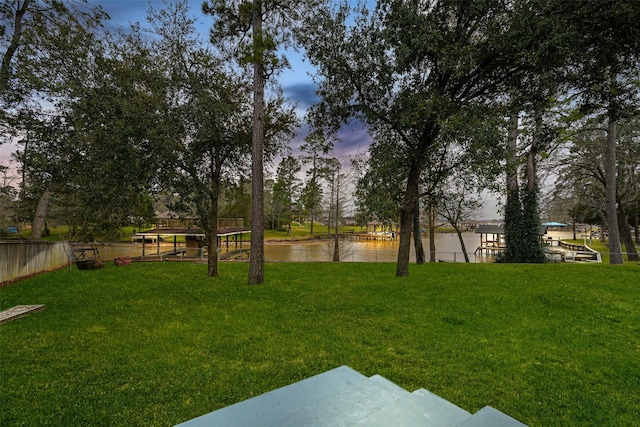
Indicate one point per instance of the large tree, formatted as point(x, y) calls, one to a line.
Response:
point(529, 139)
point(256, 29)
point(605, 60)
point(582, 165)
point(47, 54)
point(409, 66)
point(211, 111)
point(119, 120)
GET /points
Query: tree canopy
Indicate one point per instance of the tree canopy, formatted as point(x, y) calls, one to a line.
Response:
point(407, 68)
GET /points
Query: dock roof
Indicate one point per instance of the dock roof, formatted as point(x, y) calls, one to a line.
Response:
point(499, 229)
point(194, 231)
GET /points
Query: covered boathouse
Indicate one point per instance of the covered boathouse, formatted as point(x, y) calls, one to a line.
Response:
point(168, 229)
point(492, 239)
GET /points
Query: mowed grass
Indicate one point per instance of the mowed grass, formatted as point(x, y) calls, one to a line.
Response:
point(160, 343)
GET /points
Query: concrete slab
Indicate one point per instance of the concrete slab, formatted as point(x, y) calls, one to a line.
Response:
point(344, 397)
point(490, 417)
point(420, 408)
point(268, 409)
point(348, 406)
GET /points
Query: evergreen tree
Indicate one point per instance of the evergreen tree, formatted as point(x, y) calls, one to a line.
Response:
point(287, 189)
point(256, 30)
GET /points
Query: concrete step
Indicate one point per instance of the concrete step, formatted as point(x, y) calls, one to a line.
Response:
point(347, 406)
point(420, 408)
point(344, 397)
point(268, 409)
point(490, 417)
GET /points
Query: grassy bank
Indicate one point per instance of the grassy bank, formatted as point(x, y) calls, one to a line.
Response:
point(298, 232)
point(160, 343)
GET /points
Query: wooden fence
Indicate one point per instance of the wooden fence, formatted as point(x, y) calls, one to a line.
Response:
point(23, 259)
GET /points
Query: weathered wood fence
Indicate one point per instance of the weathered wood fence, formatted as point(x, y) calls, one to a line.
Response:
point(22, 259)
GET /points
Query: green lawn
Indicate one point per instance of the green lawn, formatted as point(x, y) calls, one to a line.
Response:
point(160, 343)
point(298, 232)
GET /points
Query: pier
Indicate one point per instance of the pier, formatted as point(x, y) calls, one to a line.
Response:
point(578, 253)
point(369, 236)
point(491, 240)
point(230, 232)
point(238, 254)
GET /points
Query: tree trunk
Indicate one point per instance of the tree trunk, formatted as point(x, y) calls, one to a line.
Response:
point(462, 245)
point(432, 232)
point(512, 156)
point(531, 228)
point(209, 219)
point(636, 221)
point(625, 234)
point(531, 164)
point(312, 211)
point(330, 218)
point(336, 244)
point(417, 236)
point(406, 220)
point(5, 69)
point(512, 212)
point(212, 250)
point(615, 248)
point(530, 224)
point(40, 215)
point(256, 257)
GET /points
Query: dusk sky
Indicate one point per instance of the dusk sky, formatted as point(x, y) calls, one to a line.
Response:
point(296, 82)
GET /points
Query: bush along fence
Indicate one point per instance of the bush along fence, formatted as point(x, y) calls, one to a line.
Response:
point(19, 260)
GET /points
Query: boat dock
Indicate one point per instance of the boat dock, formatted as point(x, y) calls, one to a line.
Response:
point(571, 252)
point(370, 236)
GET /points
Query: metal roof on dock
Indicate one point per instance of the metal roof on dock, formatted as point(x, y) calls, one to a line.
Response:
point(192, 232)
point(499, 229)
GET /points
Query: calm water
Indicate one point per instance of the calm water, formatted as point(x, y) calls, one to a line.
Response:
point(447, 249)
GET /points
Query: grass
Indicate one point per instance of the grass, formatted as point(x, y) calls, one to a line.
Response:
point(302, 231)
point(298, 232)
point(160, 343)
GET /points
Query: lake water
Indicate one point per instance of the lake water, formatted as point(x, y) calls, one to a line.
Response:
point(447, 249)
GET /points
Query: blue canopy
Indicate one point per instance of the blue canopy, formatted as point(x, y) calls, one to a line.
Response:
point(554, 224)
